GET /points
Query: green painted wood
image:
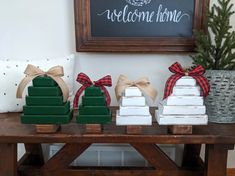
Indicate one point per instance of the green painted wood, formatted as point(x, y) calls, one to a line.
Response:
point(93, 101)
point(44, 81)
point(47, 119)
point(93, 91)
point(94, 119)
point(44, 91)
point(45, 101)
point(47, 110)
point(93, 110)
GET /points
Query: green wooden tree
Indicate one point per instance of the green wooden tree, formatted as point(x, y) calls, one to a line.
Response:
point(44, 104)
point(216, 48)
point(93, 109)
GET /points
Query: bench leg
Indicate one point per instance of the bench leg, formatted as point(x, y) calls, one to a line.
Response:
point(35, 154)
point(216, 159)
point(191, 155)
point(8, 159)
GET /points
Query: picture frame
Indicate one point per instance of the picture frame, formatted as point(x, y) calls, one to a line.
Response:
point(86, 41)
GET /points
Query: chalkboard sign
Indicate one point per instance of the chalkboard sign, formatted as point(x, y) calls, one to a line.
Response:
point(156, 18)
point(138, 25)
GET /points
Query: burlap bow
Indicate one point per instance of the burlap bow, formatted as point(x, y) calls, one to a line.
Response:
point(55, 73)
point(143, 84)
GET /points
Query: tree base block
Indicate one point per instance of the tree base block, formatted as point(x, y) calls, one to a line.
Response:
point(47, 128)
point(93, 128)
point(134, 129)
point(180, 129)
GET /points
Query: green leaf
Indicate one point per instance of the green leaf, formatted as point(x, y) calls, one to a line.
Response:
point(216, 49)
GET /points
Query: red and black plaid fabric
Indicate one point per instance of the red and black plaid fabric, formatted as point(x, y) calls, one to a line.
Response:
point(196, 73)
point(83, 79)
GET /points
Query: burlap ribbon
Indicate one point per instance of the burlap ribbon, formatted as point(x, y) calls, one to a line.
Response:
point(143, 84)
point(55, 73)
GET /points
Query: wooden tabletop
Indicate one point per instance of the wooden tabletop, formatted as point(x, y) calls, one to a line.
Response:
point(12, 131)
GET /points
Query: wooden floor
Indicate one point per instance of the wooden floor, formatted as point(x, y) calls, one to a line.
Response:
point(231, 172)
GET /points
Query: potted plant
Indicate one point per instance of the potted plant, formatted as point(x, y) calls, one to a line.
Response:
point(216, 52)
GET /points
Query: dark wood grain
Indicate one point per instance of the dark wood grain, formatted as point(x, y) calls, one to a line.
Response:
point(130, 173)
point(63, 158)
point(86, 42)
point(217, 137)
point(155, 156)
point(133, 129)
point(12, 131)
point(216, 159)
point(34, 154)
point(93, 128)
point(191, 155)
point(180, 129)
point(47, 129)
point(8, 159)
point(114, 171)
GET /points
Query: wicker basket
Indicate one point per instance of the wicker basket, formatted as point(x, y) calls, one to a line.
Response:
point(220, 103)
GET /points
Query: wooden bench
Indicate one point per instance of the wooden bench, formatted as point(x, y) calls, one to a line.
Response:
point(219, 138)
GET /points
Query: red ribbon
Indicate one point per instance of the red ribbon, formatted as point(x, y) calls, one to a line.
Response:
point(196, 73)
point(83, 79)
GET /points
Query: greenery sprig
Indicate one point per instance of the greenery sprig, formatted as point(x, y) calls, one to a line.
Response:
point(216, 48)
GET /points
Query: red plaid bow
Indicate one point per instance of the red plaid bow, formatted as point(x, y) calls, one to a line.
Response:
point(196, 73)
point(86, 82)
